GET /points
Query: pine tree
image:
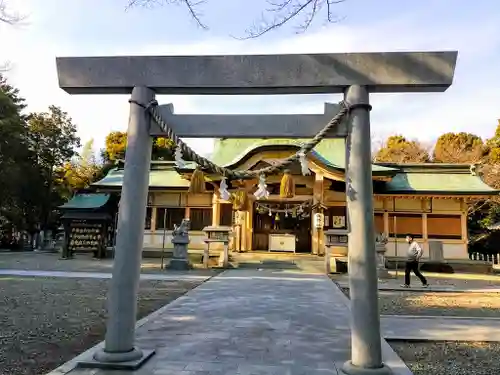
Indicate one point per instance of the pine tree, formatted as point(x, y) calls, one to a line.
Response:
point(15, 157)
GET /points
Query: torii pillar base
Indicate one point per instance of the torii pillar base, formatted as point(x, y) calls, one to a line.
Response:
point(129, 361)
point(349, 369)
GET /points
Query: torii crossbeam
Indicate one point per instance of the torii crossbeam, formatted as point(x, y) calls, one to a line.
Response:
point(353, 74)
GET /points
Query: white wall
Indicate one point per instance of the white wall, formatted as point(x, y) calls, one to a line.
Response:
point(154, 240)
point(452, 249)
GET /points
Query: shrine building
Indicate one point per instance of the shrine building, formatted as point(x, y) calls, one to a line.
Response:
point(426, 200)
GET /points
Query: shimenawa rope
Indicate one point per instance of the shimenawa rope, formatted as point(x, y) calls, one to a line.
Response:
point(229, 174)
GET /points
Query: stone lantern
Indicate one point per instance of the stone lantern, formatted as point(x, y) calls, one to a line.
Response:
point(217, 234)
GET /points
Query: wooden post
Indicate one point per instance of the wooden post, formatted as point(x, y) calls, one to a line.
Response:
point(215, 209)
point(248, 240)
point(386, 223)
point(206, 254)
point(465, 232)
point(154, 212)
point(317, 233)
point(425, 237)
point(328, 252)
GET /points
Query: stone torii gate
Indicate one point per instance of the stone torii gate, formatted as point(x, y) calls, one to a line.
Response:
point(353, 74)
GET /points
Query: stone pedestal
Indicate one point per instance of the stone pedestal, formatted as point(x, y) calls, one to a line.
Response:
point(180, 259)
point(224, 256)
point(180, 240)
point(328, 265)
point(382, 272)
point(206, 254)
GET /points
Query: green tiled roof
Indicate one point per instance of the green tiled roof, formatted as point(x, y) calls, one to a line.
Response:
point(407, 178)
point(330, 151)
point(86, 201)
point(438, 182)
point(161, 175)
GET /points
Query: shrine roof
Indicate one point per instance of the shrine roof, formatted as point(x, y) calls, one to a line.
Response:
point(427, 178)
point(86, 201)
point(436, 178)
point(331, 152)
point(162, 175)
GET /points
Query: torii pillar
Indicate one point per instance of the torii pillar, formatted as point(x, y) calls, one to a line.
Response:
point(355, 75)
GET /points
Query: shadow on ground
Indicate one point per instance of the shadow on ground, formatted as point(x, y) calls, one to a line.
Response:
point(48, 321)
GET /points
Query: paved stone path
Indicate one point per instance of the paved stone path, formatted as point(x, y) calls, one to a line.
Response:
point(439, 328)
point(100, 275)
point(246, 322)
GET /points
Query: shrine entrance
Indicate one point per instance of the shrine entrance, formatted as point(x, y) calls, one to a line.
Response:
point(354, 75)
point(282, 227)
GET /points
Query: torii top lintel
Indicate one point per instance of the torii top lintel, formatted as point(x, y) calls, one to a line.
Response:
point(259, 74)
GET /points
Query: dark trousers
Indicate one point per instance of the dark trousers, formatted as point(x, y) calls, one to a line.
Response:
point(412, 266)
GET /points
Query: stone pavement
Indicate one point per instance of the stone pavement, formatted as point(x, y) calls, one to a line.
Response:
point(246, 322)
point(439, 328)
point(171, 275)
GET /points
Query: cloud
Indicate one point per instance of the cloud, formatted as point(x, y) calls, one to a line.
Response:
point(469, 105)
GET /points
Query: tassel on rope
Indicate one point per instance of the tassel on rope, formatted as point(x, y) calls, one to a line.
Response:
point(197, 185)
point(179, 161)
point(262, 192)
point(224, 193)
point(304, 165)
point(287, 186)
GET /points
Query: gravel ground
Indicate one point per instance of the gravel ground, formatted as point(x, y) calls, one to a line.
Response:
point(48, 321)
point(443, 358)
point(485, 305)
point(81, 263)
point(454, 358)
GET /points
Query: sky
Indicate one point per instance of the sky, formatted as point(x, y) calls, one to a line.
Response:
point(105, 27)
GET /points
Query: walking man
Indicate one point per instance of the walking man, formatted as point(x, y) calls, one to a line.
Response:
point(415, 252)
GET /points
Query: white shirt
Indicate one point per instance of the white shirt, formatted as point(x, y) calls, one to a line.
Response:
point(414, 251)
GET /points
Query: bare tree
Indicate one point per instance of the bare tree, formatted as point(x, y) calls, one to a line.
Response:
point(4, 67)
point(8, 16)
point(279, 13)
